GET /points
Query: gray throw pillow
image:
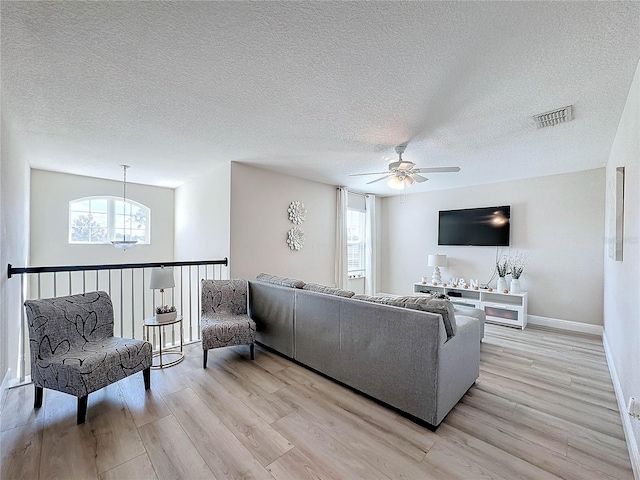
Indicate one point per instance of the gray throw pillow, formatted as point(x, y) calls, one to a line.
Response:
point(315, 287)
point(425, 303)
point(282, 281)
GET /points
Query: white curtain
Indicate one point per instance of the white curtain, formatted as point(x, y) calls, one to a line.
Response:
point(341, 237)
point(370, 249)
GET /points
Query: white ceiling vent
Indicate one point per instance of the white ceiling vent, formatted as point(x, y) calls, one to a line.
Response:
point(554, 117)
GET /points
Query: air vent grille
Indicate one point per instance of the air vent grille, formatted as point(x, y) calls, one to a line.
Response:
point(554, 117)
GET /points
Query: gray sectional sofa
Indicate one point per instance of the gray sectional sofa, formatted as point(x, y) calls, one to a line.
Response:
point(402, 356)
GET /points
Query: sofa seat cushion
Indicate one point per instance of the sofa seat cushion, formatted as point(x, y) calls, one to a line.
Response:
point(340, 292)
point(223, 330)
point(282, 281)
point(81, 371)
point(425, 303)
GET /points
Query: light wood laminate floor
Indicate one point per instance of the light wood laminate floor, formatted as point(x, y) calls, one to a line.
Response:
point(543, 408)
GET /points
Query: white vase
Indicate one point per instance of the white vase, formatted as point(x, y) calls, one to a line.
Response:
point(502, 284)
point(515, 285)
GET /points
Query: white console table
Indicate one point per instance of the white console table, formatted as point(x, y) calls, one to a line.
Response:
point(503, 308)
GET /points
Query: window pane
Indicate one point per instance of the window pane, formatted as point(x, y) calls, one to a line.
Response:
point(90, 220)
point(99, 205)
point(84, 228)
point(120, 207)
point(79, 230)
point(82, 206)
point(356, 242)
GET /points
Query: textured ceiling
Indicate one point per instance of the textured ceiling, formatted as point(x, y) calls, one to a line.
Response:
point(318, 90)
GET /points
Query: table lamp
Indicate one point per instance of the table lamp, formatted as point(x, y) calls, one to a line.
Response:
point(161, 278)
point(437, 261)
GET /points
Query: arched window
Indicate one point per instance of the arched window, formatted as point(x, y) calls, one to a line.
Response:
point(103, 219)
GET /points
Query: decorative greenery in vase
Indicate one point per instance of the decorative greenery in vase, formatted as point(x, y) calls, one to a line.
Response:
point(503, 268)
point(165, 309)
point(517, 261)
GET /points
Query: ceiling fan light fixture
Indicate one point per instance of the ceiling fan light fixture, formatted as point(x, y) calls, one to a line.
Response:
point(409, 181)
point(396, 183)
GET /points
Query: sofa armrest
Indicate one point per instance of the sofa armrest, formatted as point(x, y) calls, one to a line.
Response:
point(458, 366)
point(474, 313)
point(272, 308)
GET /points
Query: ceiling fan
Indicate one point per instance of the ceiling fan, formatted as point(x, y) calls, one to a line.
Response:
point(403, 172)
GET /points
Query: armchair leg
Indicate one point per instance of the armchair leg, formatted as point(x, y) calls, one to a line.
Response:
point(82, 409)
point(253, 351)
point(204, 357)
point(146, 373)
point(37, 403)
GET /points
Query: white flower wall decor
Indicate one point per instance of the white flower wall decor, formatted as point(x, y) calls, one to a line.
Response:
point(295, 238)
point(297, 212)
point(297, 215)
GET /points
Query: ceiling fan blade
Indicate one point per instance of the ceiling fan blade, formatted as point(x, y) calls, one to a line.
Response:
point(419, 178)
point(437, 170)
point(371, 173)
point(401, 165)
point(380, 179)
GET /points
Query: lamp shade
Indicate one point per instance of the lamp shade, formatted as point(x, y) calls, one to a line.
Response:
point(161, 278)
point(395, 183)
point(437, 261)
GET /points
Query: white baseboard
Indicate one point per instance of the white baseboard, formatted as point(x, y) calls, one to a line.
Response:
point(3, 388)
point(565, 325)
point(16, 382)
point(632, 445)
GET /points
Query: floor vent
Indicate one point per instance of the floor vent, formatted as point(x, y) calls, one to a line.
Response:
point(554, 117)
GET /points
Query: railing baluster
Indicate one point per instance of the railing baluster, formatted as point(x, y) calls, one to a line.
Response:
point(182, 293)
point(133, 305)
point(39, 291)
point(144, 314)
point(173, 302)
point(55, 286)
point(198, 297)
point(121, 301)
point(190, 306)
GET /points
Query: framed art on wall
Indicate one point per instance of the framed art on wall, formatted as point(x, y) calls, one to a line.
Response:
point(616, 232)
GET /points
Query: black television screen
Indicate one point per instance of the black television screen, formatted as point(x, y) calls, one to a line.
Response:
point(488, 226)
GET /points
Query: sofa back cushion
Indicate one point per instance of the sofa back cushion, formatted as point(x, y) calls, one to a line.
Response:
point(282, 281)
point(315, 287)
point(425, 303)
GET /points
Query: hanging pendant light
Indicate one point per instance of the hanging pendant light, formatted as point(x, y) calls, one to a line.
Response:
point(124, 244)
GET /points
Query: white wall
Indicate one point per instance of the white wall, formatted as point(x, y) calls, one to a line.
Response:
point(622, 279)
point(14, 245)
point(50, 196)
point(259, 226)
point(203, 216)
point(558, 219)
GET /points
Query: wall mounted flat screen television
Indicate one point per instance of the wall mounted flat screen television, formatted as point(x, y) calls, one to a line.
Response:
point(488, 226)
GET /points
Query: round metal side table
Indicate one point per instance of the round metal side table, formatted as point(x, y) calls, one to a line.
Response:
point(163, 352)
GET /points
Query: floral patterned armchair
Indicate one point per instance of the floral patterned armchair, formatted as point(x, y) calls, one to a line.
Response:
point(73, 349)
point(224, 320)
